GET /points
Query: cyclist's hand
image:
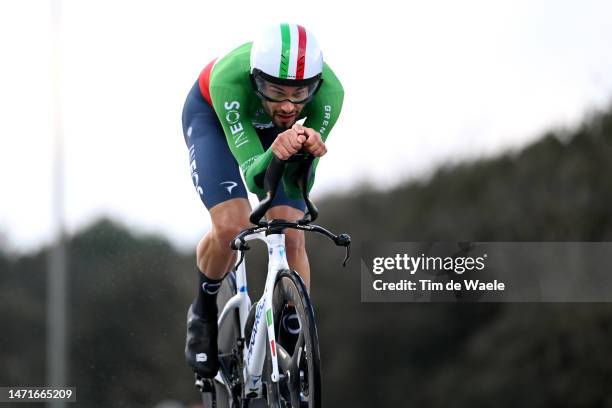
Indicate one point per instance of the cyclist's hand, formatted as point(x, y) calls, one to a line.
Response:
point(313, 144)
point(288, 143)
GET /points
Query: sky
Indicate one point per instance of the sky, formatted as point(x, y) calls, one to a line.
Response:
point(426, 84)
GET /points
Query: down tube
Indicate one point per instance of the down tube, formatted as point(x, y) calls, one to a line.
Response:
point(264, 316)
point(255, 352)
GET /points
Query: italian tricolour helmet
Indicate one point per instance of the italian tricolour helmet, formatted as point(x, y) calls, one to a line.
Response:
point(286, 55)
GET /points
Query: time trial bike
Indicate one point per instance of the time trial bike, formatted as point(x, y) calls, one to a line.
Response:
point(258, 366)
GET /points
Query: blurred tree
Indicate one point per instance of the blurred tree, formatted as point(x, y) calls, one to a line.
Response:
point(129, 294)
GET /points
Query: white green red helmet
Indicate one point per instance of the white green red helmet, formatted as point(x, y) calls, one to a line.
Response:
point(287, 54)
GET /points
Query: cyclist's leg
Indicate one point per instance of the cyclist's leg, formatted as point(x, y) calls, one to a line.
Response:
point(217, 180)
point(214, 257)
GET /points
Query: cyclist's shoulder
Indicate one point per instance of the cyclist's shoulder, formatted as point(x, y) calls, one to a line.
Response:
point(230, 80)
point(232, 67)
point(331, 82)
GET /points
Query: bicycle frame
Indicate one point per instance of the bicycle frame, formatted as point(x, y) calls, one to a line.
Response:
point(254, 352)
point(251, 362)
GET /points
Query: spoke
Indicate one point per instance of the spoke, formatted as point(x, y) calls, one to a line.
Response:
point(297, 352)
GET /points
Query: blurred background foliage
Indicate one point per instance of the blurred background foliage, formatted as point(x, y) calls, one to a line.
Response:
point(129, 294)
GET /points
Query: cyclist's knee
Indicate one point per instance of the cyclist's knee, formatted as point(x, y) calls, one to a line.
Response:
point(228, 220)
point(295, 242)
point(210, 261)
point(224, 233)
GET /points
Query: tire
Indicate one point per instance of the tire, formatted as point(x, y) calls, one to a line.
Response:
point(302, 388)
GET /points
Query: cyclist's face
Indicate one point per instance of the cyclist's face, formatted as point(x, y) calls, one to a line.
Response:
point(284, 114)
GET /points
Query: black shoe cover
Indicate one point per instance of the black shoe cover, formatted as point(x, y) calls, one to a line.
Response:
point(201, 350)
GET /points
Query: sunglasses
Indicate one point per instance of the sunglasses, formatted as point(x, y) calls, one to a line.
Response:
point(277, 93)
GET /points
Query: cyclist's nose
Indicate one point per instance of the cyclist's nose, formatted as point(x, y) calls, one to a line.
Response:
point(287, 106)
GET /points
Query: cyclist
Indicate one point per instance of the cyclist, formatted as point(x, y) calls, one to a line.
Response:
point(242, 110)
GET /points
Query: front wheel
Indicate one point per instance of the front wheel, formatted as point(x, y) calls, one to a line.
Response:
point(298, 355)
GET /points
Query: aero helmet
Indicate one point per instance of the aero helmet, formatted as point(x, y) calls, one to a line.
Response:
point(287, 54)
